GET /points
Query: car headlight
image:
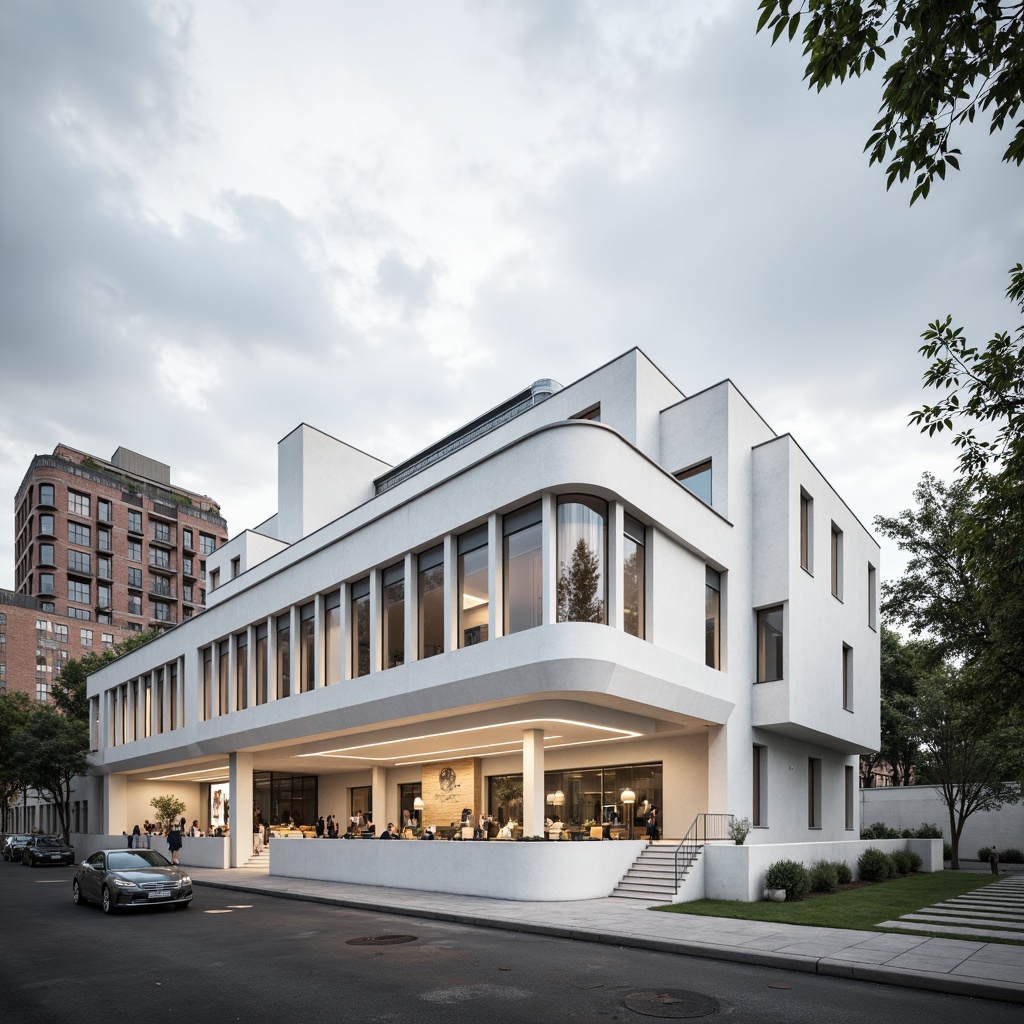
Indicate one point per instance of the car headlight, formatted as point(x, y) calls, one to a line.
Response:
point(183, 881)
point(123, 883)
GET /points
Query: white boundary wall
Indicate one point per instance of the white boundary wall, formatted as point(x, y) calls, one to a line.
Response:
point(538, 872)
point(207, 852)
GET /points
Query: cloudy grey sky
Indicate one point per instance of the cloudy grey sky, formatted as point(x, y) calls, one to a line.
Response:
point(220, 219)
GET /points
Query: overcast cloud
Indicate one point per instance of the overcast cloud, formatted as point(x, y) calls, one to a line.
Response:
point(221, 219)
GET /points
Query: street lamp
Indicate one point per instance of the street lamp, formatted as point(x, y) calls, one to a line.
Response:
point(628, 798)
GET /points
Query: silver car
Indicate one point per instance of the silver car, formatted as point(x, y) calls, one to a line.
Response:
point(117, 879)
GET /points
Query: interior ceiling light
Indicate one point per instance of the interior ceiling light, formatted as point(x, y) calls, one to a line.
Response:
point(426, 754)
point(194, 771)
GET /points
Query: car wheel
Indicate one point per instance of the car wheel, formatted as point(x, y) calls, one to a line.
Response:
point(108, 903)
point(76, 894)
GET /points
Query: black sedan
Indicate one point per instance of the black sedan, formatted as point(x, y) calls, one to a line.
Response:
point(117, 879)
point(14, 844)
point(40, 850)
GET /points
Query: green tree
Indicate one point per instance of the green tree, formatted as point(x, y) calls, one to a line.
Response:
point(15, 711)
point(168, 810)
point(899, 749)
point(976, 767)
point(578, 585)
point(946, 62)
point(50, 749)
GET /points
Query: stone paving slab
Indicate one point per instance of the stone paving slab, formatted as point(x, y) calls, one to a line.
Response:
point(931, 926)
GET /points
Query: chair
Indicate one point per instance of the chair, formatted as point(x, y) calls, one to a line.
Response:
point(596, 832)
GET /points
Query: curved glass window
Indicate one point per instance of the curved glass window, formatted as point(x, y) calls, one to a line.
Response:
point(634, 572)
point(581, 558)
point(522, 569)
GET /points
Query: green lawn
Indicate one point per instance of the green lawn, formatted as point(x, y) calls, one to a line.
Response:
point(862, 908)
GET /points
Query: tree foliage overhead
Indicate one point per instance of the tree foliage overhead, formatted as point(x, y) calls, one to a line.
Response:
point(946, 62)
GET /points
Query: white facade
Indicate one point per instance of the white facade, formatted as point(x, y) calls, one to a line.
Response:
point(560, 698)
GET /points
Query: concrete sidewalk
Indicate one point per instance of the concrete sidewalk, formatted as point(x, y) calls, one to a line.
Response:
point(980, 969)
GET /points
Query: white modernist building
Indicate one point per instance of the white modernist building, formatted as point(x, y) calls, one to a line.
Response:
point(590, 590)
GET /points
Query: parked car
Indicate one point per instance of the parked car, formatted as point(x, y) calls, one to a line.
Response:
point(117, 879)
point(41, 850)
point(14, 844)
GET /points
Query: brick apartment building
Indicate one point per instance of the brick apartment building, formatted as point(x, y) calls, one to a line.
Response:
point(102, 549)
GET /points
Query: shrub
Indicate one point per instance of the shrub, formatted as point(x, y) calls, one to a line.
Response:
point(875, 866)
point(947, 851)
point(927, 831)
point(739, 829)
point(879, 830)
point(915, 861)
point(844, 872)
point(1011, 855)
point(984, 852)
point(789, 875)
point(904, 860)
point(823, 876)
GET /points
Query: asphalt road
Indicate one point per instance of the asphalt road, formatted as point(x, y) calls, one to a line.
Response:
point(237, 957)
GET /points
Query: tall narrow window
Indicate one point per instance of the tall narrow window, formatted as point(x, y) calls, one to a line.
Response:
point(147, 707)
point(431, 602)
point(872, 597)
point(474, 588)
point(850, 791)
point(712, 618)
point(837, 562)
point(158, 697)
point(522, 568)
point(46, 495)
point(814, 792)
point(262, 666)
point(207, 681)
point(634, 574)
point(759, 807)
point(769, 644)
point(284, 656)
point(332, 638)
point(393, 615)
point(361, 628)
point(806, 531)
point(172, 682)
point(697, 480)
point(581, 558)
point(307, 647)
point(847, 677)
point(223, 680)
point(242, 670)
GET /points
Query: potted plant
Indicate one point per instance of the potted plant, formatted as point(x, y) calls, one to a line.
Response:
point(739, 829)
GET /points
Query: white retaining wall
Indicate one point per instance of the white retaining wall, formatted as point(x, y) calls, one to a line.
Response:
point(207, 852)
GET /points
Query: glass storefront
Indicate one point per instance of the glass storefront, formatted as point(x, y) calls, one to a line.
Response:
point(280, 797)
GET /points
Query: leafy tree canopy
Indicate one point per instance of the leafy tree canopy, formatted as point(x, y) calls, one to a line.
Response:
point(578, 586)
point(946, 62)
point(168, 809)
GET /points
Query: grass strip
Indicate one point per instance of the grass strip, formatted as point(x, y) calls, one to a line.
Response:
point(862, 908)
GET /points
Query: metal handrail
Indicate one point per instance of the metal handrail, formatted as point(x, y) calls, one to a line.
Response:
point(705, 828)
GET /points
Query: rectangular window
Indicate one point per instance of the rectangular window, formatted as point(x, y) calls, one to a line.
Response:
point(186, 567)
point(78, 591)
point(135, 550)
point(814, 792)
point(79, 613)
point(158, 698)
point(262, 665)
point(759, 815)
point(593, 413)
point(307, 647)
point(134, 521)
point(60, 633)
point(47, 496)
point(214, 579)
point(104, 595)
point(431, 602)
point(872, 597)
point(837, 562)
point(186, 592)
point(46, 554)
point(103, 539)
point(157, 558)
point(79, 534)
point(78, 504)
point(107, 641)
point(162, 612)
point(850, 794)
point(332, 638)
point(712, 618)
point(134, 605)
point(86, 637)
point(79, 561)
point(769, 644)
point(204, 711)
point(186, 540)
point(104, 567)
point(162, 533)
point(806, 531)
point(104, 511)
point(46, 525)
point(360, 612)
point(847, 677)
point(242, 670)
point(522, 569)
point(172, 696)
point(46, 583)
point(223, 679)
point(135, 579)
point(393, 615)
point(207, 544)
point(697, 480)
point(284, 656)
point(236, 566)
point(474, 587)
point(634, 577)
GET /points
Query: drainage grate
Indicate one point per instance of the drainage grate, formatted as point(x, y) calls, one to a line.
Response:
point(380, 940)
point(671, 1003)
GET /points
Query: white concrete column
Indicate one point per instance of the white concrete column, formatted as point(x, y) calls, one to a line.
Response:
point(271, 658)
point(115, 804)
point(412, 597)
point(165, 710)
point(319, 652)
point(375, 622)
point(451, 593)
point(549, 558)
point(379, 788)
point(240, 781)
point(232, 674)
point(614, 568)
point(250, 667)
point(533, 782)
point(495, 588)
point(294, 640)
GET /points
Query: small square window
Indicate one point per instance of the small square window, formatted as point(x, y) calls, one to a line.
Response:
point(697, 480)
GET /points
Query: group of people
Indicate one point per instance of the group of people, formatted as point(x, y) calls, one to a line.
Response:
point(327, 829)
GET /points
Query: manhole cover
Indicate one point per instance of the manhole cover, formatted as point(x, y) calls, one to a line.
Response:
point(380, 940)
point(671, 1003)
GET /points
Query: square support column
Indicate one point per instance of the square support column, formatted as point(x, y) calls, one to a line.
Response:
point(115, 804)
point(533, 782)
point(379, 795)
point(240, 781)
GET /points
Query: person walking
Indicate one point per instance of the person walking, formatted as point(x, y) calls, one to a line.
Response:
point(652, 824)
point(174, 843)
point(993, 861)
point(136, 840)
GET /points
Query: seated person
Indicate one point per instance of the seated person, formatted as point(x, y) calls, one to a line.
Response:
point(429, 833)
point(387, 833)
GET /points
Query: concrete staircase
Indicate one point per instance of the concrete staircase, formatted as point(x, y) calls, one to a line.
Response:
point(653, 875)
